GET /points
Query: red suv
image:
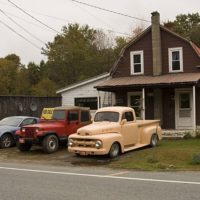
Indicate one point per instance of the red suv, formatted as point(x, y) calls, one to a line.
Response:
point(50, 133)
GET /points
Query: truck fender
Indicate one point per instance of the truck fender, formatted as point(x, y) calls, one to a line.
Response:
point(118, 139)
point(49, 133)
point(147, 133)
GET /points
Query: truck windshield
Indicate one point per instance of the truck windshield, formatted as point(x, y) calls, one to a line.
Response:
point(106, 116)
point(59, 115)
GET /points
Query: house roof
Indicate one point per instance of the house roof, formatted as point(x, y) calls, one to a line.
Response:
point(84, 82)
point(142, 81)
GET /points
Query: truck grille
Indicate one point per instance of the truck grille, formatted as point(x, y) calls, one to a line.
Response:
point(30, 132)
point(84, 143)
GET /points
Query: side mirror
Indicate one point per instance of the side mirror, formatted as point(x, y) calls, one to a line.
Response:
point(123, 121)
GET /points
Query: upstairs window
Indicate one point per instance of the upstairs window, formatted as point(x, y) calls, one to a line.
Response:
point(175, 59)
point(137, 62)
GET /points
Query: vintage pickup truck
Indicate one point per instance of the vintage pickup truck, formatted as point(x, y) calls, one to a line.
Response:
point(114, 130)
point(50, 133)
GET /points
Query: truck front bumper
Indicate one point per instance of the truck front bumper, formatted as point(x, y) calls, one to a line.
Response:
point(87, 151)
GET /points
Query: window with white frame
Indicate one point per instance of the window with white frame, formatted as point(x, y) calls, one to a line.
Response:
point(175, 59)
point(137, 62)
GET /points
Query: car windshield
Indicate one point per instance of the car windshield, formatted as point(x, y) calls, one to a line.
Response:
point(10, 121)
point(106, 116)
point(59, 115)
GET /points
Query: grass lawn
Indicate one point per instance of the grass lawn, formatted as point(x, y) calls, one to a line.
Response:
point(168, 155)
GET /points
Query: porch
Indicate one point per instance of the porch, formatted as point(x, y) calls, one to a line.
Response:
point(172, 98)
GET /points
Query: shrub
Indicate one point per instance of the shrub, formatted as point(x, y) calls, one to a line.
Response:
point(196, 159)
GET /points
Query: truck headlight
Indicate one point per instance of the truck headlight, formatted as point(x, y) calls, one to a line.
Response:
point(70, 142)
point(23, 130)
point(98, 144)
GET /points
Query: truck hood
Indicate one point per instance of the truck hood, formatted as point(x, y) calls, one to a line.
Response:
point(46, 125)
point(98, 128)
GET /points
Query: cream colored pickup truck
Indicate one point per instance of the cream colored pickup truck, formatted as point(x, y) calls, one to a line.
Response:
point(114, 130)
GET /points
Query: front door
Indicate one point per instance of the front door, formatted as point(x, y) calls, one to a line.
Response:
point(73, 121)
point(184, 109)
point(135, 102)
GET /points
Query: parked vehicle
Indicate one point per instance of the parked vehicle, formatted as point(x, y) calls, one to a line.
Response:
point(9, 126)
point(50, 133)
point(114, 130)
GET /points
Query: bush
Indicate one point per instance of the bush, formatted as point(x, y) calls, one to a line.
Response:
point(196, 159)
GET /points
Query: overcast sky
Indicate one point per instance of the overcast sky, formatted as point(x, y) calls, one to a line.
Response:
point(57, 13)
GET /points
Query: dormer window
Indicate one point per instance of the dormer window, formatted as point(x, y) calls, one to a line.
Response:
point(175, 59)
point(137, 62)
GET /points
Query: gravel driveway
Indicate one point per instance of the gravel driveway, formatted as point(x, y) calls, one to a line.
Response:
point(61, 157)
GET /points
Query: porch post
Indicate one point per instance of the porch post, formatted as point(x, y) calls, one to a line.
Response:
point(194, 107)
point(98, 100)
point(143, 103)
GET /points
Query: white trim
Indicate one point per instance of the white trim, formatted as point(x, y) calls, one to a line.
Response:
point(141, 53)
point(194, 106)
point(180, 50)
point(178, 91)
point(93, 79)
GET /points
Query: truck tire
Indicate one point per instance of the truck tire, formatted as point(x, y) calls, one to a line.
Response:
point(6, 140)
point(154, 140)
point(50, 144)
point(114, 150)
point(24, 147)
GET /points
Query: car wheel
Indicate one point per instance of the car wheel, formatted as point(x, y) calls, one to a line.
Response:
point(50, 144)
point(6, 141)
point(154, 140)
point(24, 147)
point(114, 150)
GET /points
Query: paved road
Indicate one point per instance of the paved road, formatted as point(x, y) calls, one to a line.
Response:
point(34, 182)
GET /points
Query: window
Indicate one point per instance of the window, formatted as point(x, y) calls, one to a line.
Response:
point(175, 59)
point(85, 116)
point(72, 115)
point(59, 115)
point(137, 62)
point(106, 116)
point(90, 102)
point(128, 116)
point(28, 121)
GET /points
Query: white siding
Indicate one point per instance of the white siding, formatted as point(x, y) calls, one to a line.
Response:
point(87, 90)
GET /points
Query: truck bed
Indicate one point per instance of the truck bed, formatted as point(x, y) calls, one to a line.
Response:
point(147, 122)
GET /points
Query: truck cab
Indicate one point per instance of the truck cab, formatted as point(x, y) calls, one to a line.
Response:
point(50, 133)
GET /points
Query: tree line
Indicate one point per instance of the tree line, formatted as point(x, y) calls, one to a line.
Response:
point(79, 52)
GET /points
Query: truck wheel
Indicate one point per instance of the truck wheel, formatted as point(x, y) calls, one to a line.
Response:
point(6, 141)
point(154, 140)
point(114, 150)
point(50, 144)
point(24, 147)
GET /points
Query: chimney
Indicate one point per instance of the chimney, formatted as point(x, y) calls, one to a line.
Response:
point(156, 43)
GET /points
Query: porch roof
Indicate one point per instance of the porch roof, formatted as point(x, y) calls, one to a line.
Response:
point(144, 81)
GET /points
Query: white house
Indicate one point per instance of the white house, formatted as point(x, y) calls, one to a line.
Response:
point(84, 94)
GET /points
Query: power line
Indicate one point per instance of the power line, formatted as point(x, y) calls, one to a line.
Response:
point(110, 30)
point(20, 35)
point(22, 27)
point(27, 21)
point(33, 17)
point(111, 11)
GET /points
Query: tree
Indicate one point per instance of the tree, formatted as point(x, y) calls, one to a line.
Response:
point(8, 71)
point(33, 73)
point(78, 53)
point(186, 26)
point(45, 87)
